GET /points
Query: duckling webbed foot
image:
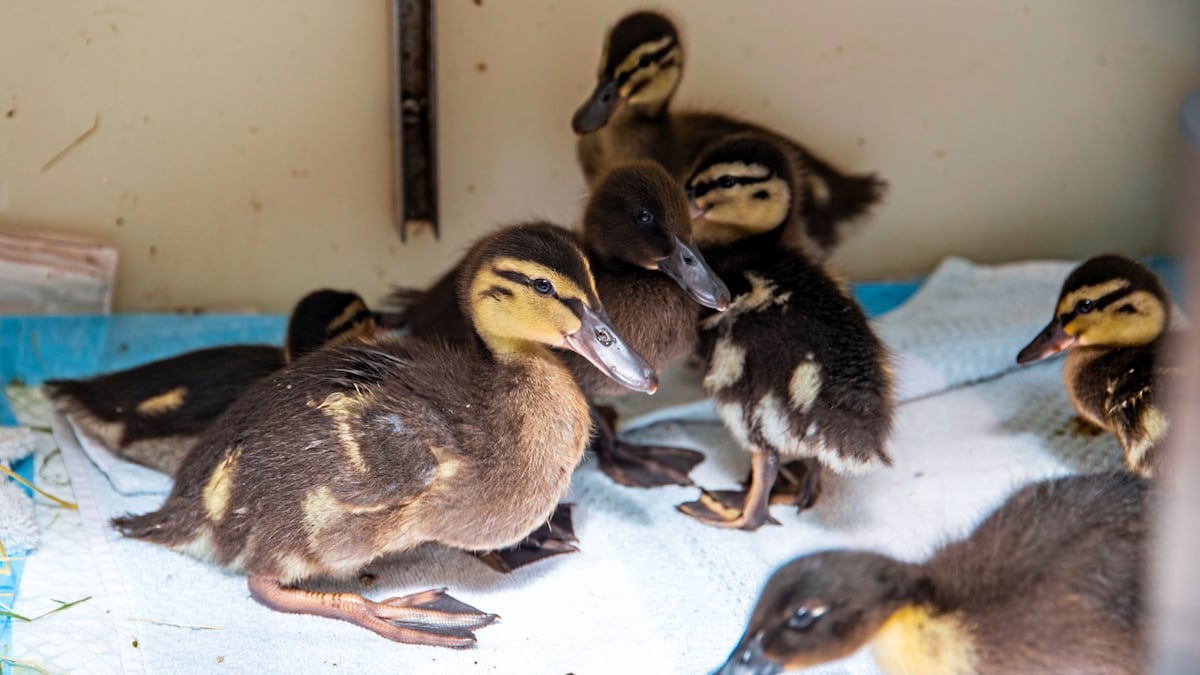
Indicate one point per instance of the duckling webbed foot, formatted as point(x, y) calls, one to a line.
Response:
point(747, 510)
point(636, 465)
point(556, 537)
point(427, 618)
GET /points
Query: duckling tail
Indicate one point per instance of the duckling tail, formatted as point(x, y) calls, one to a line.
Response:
point(166, 526)
point(400, 302)
point(836, 200)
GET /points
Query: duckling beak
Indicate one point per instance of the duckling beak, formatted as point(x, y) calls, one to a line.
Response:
point(599, 343)
point(598, 109)
point(748, 659)
point(690, 270)
point(1052, 340)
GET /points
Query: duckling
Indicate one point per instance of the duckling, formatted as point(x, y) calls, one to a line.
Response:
point(407, 441)
point(626, 118)
point(153, 414)
point(1051, 582)
point(653, 280)
point(1112, 314)
point(793, 365)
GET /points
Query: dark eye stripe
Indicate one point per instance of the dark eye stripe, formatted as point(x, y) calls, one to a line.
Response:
point(574, 304)
point(707, 186)
point(515, 277)
point(654, 56)
point(496, 292)
point(359, 316)
point(1099, 303)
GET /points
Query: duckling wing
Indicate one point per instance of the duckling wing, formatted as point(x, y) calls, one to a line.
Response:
point(312, 458)
point(1134, 406)
point(794, 365)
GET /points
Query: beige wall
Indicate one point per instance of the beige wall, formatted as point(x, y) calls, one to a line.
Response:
point(243, 153)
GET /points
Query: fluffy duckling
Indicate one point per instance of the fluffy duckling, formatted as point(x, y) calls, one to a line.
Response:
point(153, 414)
point(793, 365)
point(626, 118)
point(406, 442)
point(1112, 314)
point(1051, 582)
point(653, 280)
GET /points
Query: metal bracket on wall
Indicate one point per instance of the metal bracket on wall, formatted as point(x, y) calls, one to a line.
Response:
point(415, 116)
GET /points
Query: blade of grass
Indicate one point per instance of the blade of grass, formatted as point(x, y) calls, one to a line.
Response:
point(5, 610)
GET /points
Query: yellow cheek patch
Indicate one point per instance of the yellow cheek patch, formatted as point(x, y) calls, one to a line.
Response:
point(1112, 327)
point(219, 487)
point(163, 403)
point(914, 640)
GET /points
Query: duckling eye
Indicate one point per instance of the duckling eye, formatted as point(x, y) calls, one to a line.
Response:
point(1084, 306)
point(726, 182)
point(645, 61)
point(643, 216)
point(543, 286)
point(804, 618)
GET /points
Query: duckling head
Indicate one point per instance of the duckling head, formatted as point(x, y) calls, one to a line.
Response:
point(823, 607)
point(1108, 301)
point(741, 186)
point(530, 285)
point(638, 216)
point(640, 66)
point(327, 317)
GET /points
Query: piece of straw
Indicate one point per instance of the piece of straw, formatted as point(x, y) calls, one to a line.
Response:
point(160, 622)
point(62, 502)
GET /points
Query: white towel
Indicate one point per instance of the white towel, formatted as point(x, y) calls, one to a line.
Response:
point(651, 591)
point(18, 529)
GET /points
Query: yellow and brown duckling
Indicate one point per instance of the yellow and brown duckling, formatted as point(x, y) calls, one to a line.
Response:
point(793, 365)
point(1051, 582)
point(626, 118)
point(152, 414)
point(1112, 315)
point(407, 441)
point(652, 279)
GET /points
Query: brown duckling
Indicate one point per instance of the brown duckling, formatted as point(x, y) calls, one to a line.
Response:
point(152, 414)
point(1112, 316)
point(407, 441)
point(652, 279)
point(626, 118)
point(1051, 582)
point(793, 365)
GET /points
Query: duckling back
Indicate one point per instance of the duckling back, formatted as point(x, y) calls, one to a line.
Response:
point(1053, 581)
